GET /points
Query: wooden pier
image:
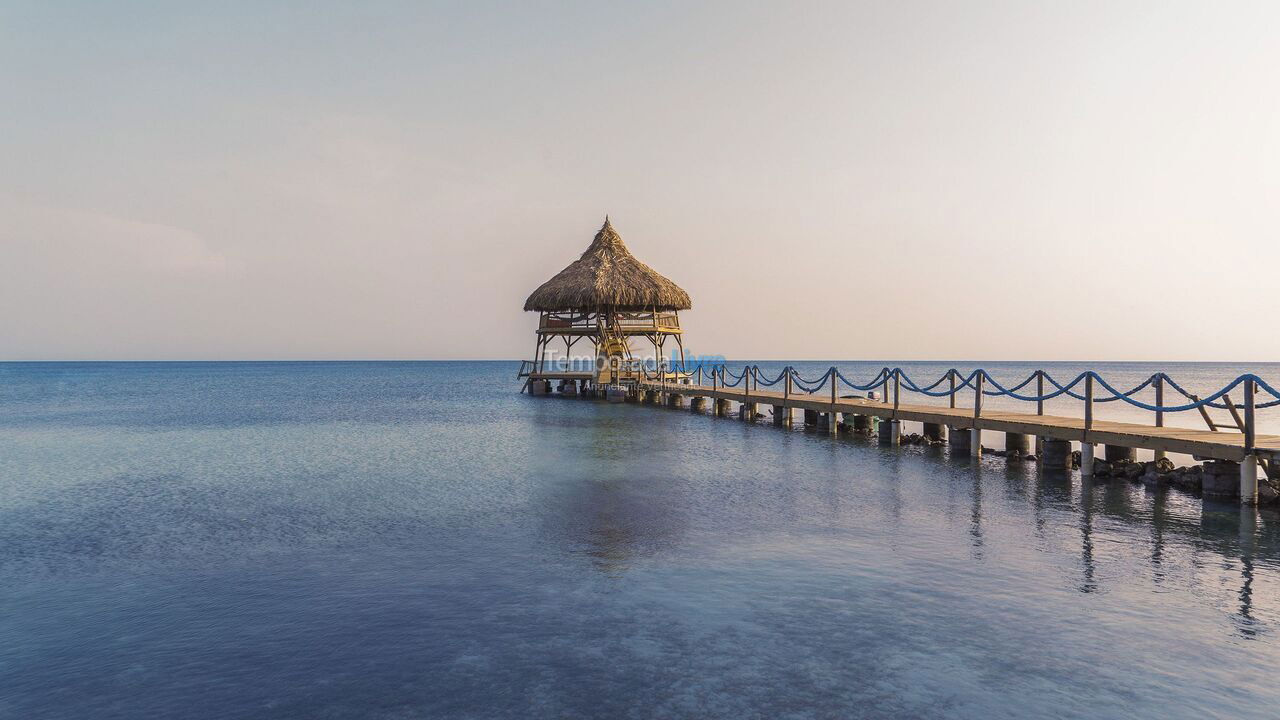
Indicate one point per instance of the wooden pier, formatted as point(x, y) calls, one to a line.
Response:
point(1199, 443)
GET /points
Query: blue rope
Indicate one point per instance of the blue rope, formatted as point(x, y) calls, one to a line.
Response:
point(970, 381)
point(876, 382)
point(768, 383)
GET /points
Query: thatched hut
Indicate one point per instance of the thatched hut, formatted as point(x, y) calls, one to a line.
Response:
point(608, 297)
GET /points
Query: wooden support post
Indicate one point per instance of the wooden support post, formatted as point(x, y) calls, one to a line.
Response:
point(951, 375)
point(746, 384)
point(1250, 407)
point(897, 389)
point(1159, 381)
point(786, 387)
point(1086, 446)
point(884, 387)
point(975, 434)
point(1088, 405)
point(1039, 392)
point(1039, 409)
point(833, 425)
point(1249, 465)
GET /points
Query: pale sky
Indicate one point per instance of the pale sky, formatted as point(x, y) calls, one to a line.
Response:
point(887, 180)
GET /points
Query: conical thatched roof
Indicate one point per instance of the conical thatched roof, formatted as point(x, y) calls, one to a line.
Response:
point(608, 275)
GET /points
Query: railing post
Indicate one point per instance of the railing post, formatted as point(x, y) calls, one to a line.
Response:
point(833, 426)
point(897, 389)
point(699, 374)
point(977, 395)
point(786, 387)
point(975, 433)
point(1088, 404)
point(951, 375)
point(1086, 447)
point(1039, 392)
point(884, 386)
point(1159, 381)
point(1249, 463)
point(746, 385)
point(1249, 406)
point(1040, 410)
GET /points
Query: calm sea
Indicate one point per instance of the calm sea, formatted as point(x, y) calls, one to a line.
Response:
point(417, 540)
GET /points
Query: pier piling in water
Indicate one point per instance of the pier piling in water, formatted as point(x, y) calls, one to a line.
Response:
point(722, 407)
point(1055, 454)
point(1017, 442)
point(890, 432)
point(1086, 459)
point(697, 403)
point(1224, 479)
point(781, 415)
point(1118, 453)
point(1249, 479)
point(958, 438)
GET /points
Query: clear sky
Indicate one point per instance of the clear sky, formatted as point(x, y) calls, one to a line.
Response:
point(882, 180)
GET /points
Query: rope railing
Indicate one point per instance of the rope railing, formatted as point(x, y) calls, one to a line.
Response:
point(981, 381)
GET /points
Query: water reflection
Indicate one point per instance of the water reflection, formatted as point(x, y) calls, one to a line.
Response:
point(1159, 503)
point(975, 514)
point(1088, 583)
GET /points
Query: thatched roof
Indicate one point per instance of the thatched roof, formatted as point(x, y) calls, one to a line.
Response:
point(608, 275)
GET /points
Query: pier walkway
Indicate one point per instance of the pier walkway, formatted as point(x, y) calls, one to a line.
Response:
point(1200, 443)
point(824, 400)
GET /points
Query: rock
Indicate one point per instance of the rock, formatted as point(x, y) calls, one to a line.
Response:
point(1267, 495)
point(1163, 465)
point(1101, 468)
point(1031, 457)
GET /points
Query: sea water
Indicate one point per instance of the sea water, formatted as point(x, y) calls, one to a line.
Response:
point(418, 540)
